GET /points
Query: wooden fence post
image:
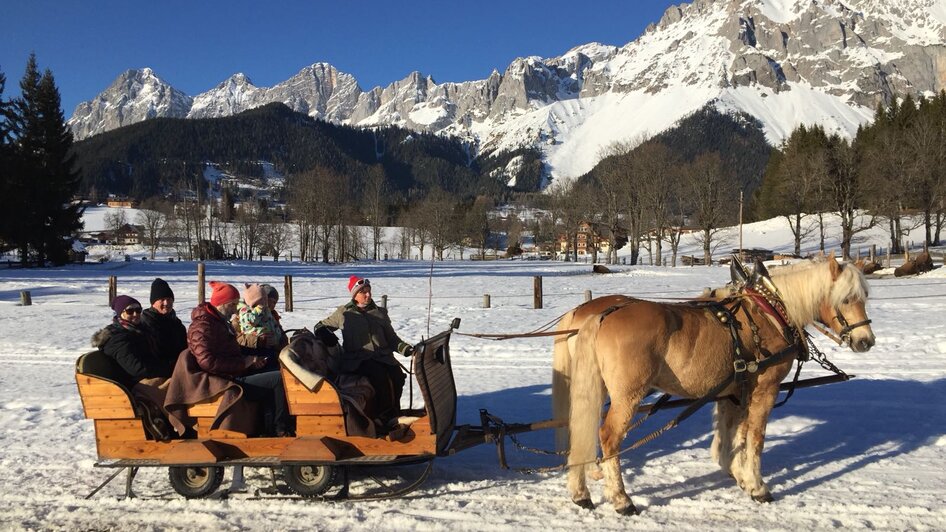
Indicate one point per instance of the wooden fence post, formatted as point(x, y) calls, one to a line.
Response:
point(287, 291)
point(200, 283)
point(25, 298)
point(889, 265)
point(112, 289)
point(485, 300)
point(873, 252)
point(537, 292)
point(384, 301)
point(587, 296)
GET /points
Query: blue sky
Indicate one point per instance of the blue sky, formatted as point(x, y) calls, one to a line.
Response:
point(194, 45)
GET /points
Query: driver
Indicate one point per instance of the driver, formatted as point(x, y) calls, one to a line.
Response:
point(369, 342)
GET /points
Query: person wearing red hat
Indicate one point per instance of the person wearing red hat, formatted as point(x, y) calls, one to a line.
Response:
point(211, 340)
point(369, 343)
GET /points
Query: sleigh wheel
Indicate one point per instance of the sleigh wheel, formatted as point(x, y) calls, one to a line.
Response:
point(195, 482)
point(309, 480)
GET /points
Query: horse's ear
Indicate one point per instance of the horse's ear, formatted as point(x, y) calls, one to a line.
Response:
point(834, 266)
point(760, 268)
point(738, 272)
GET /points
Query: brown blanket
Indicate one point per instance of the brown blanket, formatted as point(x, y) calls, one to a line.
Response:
point(189, 385)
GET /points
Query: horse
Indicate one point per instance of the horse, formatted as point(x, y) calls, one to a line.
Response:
point(564, 346)
point(693, 350)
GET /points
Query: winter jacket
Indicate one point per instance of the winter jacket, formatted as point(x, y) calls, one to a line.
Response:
point(212, 341)
point(257, 327)
point(367, 334)
point(168, 332)
point(133, 349)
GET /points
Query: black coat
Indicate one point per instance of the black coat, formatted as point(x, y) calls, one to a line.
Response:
point(133, 349)
point(169, 334)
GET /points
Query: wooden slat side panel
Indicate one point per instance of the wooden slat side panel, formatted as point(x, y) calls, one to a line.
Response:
point(111, 434)
point(102, 399)
point(314, 409)
point(323, 400)
point(208, 409)
point(320, 426)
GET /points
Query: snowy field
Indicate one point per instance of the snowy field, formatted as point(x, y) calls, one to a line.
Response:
point(866, 454)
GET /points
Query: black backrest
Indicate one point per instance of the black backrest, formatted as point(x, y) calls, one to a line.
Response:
point(98, 364)
point(435, 378)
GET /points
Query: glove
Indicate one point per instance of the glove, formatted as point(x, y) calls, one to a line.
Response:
point(405, 349)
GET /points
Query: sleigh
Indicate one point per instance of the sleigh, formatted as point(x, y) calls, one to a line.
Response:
point(310, 462)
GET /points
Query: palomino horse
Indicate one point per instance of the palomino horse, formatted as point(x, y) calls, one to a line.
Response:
point(564, 346)
point(689, 351)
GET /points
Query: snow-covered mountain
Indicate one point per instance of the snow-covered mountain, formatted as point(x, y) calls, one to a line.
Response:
point(786, 62)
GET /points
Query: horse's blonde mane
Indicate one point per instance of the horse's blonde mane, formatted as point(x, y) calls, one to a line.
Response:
point(805, 285)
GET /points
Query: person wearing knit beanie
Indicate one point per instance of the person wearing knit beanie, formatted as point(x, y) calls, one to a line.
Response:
point(369, 343)
point(271, 294)
point(160, 290)
point(122, 302)
point(253, 294)
point(356, 284)
point(222, 293)
point(167, 331)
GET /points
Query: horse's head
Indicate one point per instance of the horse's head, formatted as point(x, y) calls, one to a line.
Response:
point(844, 311)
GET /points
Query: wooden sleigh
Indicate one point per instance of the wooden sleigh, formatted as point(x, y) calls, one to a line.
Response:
point(309, 461)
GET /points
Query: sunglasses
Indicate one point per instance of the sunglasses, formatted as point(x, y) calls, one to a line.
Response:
point(363, 282)
point(132, 310)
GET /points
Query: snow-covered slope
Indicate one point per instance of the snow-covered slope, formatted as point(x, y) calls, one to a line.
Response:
point(786, 62)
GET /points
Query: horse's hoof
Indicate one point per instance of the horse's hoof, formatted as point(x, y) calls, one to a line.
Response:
point(764, 498)
point(630, 509)
point(586, 504)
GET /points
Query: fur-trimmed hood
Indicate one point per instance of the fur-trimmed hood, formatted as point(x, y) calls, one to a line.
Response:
point(101, 336)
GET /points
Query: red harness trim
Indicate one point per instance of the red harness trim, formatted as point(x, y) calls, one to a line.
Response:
point(767, 307)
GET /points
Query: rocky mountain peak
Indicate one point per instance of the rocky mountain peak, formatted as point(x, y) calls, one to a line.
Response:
point(786, 62)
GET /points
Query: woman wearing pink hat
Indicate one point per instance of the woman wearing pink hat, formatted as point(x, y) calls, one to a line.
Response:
point(369, 342)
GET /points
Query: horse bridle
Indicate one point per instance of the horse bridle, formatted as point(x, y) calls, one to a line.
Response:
point(846, 328)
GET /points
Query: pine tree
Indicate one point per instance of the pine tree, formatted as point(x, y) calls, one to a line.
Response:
point(6, 159)
point(43, 180)
point(24, 123)
point(62, 216)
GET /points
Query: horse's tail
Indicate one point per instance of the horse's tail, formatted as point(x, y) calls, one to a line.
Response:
point(561, 379)
point(587, 397)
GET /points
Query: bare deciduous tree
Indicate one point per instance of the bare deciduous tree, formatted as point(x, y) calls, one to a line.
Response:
point(713, 192)
point(153, 219)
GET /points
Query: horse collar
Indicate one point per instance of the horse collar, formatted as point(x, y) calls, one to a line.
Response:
point(772, 307)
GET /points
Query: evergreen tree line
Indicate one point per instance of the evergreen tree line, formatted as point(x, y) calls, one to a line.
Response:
point(157, 157)
point(37, 176)
point(894, 167)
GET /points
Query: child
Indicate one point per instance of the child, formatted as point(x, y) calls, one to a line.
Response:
point(255, 325)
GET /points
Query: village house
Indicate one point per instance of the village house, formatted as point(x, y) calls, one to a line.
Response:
point(592, 236)
point(122, 203)
point(127, 235)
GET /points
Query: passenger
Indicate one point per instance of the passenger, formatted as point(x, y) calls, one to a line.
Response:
point(212, 341)
point(272, 297)
point(166, 328)
point(256, 326)
point(369, 342)
point(127, 343)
